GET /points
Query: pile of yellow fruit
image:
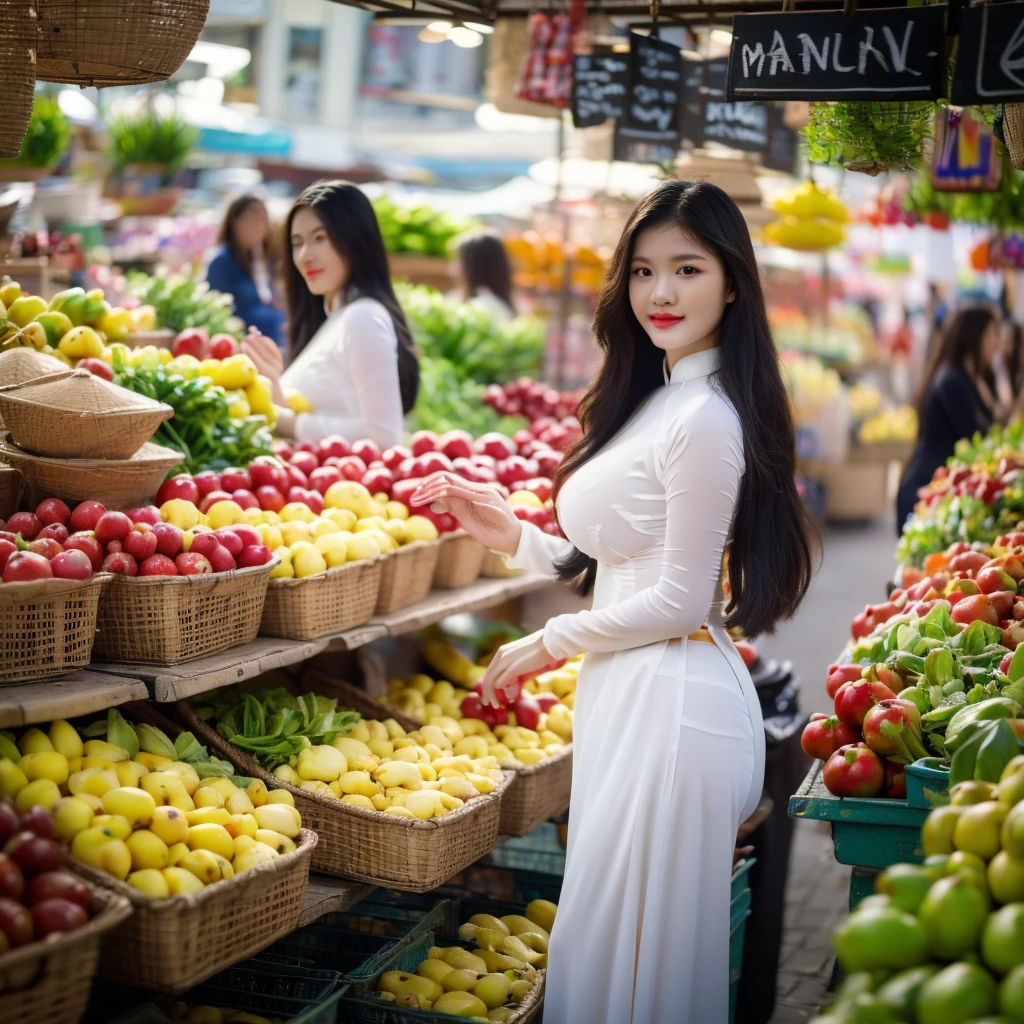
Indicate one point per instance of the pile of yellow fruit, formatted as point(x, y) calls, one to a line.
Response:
point(182, 1013)
point(539, 262)
point(487, 983)
point(379, 767)
point(811, 219)
point(146, 820)
point(355, 525)
point(899, 424)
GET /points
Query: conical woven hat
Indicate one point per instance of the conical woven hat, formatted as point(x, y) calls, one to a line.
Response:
point(83, 392)
point(24, 364)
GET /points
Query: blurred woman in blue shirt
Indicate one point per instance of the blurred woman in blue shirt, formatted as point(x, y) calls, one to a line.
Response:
point(242, 267)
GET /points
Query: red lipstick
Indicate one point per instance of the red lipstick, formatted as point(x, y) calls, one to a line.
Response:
point(664, 320)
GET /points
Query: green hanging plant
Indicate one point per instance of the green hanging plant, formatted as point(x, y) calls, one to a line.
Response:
point(46, 138)
point(150, 138)
point(869, 137)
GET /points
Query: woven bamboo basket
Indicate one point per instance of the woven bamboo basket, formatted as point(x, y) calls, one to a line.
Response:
point(406, 576)
point(18, 74)
point(49, 982)
point(105, 42)
point(79, 417)
point(459, 562)
point(115, 484)
point(371, 846)
point(357, 699)
point(10, 491)
point(494, 567)
point(47, 627)
point(21, 365)
point(170, 945)
point(312, 607)
point(161, 620)
point(1013, 132)
point(540, 791)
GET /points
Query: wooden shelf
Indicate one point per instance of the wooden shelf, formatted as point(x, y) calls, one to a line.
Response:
point(328, 895)
point(78, 693)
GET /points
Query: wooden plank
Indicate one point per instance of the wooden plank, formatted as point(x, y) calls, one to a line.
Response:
point(77, 693)
point(176, 682)
point(329, 895)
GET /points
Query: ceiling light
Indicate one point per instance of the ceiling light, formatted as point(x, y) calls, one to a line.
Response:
point(443, 27)
point(476, 26)
point(465, 37)
point(427, 35)
point(721, 35)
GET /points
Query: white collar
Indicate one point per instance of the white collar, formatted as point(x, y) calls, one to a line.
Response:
point(699, 364)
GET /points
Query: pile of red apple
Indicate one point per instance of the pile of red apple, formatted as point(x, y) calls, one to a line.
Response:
point(196, 342)
point(37, 897)
point(304, 473)
point(55, 541)
point(552, 415)
point(976, 481)
point(527, 707)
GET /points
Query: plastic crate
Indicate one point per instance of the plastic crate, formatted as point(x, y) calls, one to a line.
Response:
point(538, 851)
point(736, 935)
point(925, 780)
point(506, 885)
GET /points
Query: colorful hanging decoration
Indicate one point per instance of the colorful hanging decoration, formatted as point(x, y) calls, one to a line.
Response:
point(547, 74)
point(966, 156)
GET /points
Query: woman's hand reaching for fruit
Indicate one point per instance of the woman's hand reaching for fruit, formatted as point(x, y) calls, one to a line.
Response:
point(264, 352)
point(520, 658)
point(480, 509)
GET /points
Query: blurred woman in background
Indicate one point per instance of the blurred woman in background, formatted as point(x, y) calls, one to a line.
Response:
point(484, 276)
point(243, 268)
point(952, 403)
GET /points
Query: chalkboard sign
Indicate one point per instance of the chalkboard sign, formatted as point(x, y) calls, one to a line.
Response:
point(894, 53)
point(780, 153)
point(737, 125)
point(652, 105)
point(600, 80)
point(691, 99)
point(990, 55)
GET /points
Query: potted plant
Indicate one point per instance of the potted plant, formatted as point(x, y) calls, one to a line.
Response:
point(46, 139)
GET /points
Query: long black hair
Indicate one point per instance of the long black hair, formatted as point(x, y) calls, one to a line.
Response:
point(236, 208)
point(770, 562)
point(485, 264)
point(960, 346)
point(351, 225)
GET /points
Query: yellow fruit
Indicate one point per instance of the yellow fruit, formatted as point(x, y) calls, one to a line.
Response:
point(343, 518)
point(396, 510)
point(542, 912)
point(333, 548)
point(208, 816)
point(12, 778)
point(321, 526)
point(355, 800)
point(25, 308)
point(358, 783)
point(238, 803)
point(400, 812)
point(279, 818)
point(116, 824)
point(71, 815)
point(180, 513)
point(150, 882)
point(493, 990)
point(235, 372)
point(316, 786)
point(35, 741)
point(306, 560)
point(187, 774)
point(129, 772)
point(280, 796)
point(256, 791)
point(65, 739)
point(420, 528)
point(294, 532)
point(167, 789)
point(207, 797)
point(324, 764)
point(9, 292)
point(169, 824)
point(296, 512)
point(243, 844)
point(207, 866)
point(287, 774)
point(435, 970)
point(224, 513)
point(148, 850)
point(47, 765)
point(175, 853)
point(297, 402)
point(276, 841)
point(134, 804)
point(43, 792)
point(402, 774)
point(214, 838)
point(260, 853)
point(241, 825)
point(181, 882)
point(96, 847)
point(363, 546)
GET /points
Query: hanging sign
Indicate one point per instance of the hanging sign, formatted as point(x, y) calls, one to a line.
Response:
point(894, 53)
point(600, 80)
point(780, 153)
point(651, 113)
point(990, 55)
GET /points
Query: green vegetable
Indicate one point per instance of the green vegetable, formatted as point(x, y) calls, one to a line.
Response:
point(869, 136)
point(154, 741)
point(182, 301)
point(983, 752)
point(418, 229)
point(47, 137)
point(151, 138)
point(940, 716)
point(986, 710)
point(120, 733)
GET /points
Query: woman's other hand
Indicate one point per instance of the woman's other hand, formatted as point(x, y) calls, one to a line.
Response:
point(524, 657)
point(480, 510)
point(266, 354)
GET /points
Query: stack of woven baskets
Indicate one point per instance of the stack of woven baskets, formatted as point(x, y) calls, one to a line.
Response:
point(75, 436)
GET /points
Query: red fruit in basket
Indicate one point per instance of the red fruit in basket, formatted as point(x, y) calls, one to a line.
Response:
point(192, 341)
point(254, 554)
point(112, 526)
point(24, 566)
point(296, 478)
point(52, 510)
point(496, 445)
point(282, 449)
point(472, 706)
point(323, 477)
point(211, 499)
point(140, 541)
point(378, 481)
point(313, 500)
point(822, 737)
point(227, 538)
point(270, 499)
point(366, 450)
point(7, 548)
point(12, 879)
point(423, 441)
point(546, 701)
point(96, 367)
point(168, 539)
point(334, 446)
point(121, 563)
point(38, 821)
point(10, 822)
point(538, 485)
point(842, 674)
point(45, 546)
point(352, 468)
point(53, 885)
point(33, 854)
point(15, 922)
point(527, 712)
point(206, 482)
point(305, 462)
point(55, 531)
point(221, 559)
point(89, 545)
point(86, 515)
point(977, 607)
point(158, 565)
point(71, 565)
point(855, 699)
point(145, 514)
point(204, 543)
point(223, 346)
point(57, 915)
point(968, 561)
point(903, 717)
point(265, 471)
point(25, 523)
point(853, 770)
point(189, 563)
point(247, 534)
point(394, 457)
point(895, 785)
point(235, 479)
point(181, 486)
point(245, 499)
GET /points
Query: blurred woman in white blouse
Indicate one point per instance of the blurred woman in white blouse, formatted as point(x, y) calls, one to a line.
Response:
point(351, 351)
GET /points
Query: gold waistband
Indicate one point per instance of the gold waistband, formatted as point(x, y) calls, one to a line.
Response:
point(702, 636)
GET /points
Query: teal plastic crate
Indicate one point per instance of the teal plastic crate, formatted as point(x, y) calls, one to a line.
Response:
point(538, 851)
point(506, 885)
point(871, 833)
point(737, 933)
point(926, 779)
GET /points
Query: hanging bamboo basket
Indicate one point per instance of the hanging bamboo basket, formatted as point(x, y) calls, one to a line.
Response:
point(1013, 132)
point(109, 42)
point(17, 72)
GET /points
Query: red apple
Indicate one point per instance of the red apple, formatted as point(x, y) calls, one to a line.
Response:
point(191, 564)
point(248, 535)
point(254, 554)
point(270, 499)
point(204, 543)
point(140, 542)
point(45, 546)
point(546, 701)
point(296, 478)
point(112, 526)
point(351, 467)
point(323, 477)
point(55, 531)
point(433, 462)
point(496, 445)
point(145, 514)
point(221, 559)
point(229, 539)
point(58, 884)
point(33, 854)
point(313, 500)
point(423, 441)
point(305, 462)
point(121, 563)
point(282, 449)
point(211, 499)
point(971, 609)
point(527, 712)
point(540, 486)
point(23, 566)
point(71, 565)
point(394, 457)
point(96, 367)
point(191, 341)
point(39, 821)
point(87, 544)
point(332, 446)
point(25, 523)
point(235, 480)
point(181, 486)
point(245, 499)
point(378, 480)
point(207, 482)
point(86, 515)
point(53, 916)
point(168, 539)
point(52, 510)
point(306, 446)
point(15, 922)
point(12, 878)
point(367, 451)
point(265, 471)
point(547, 462)
point(223, 346)
point(158, 565)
